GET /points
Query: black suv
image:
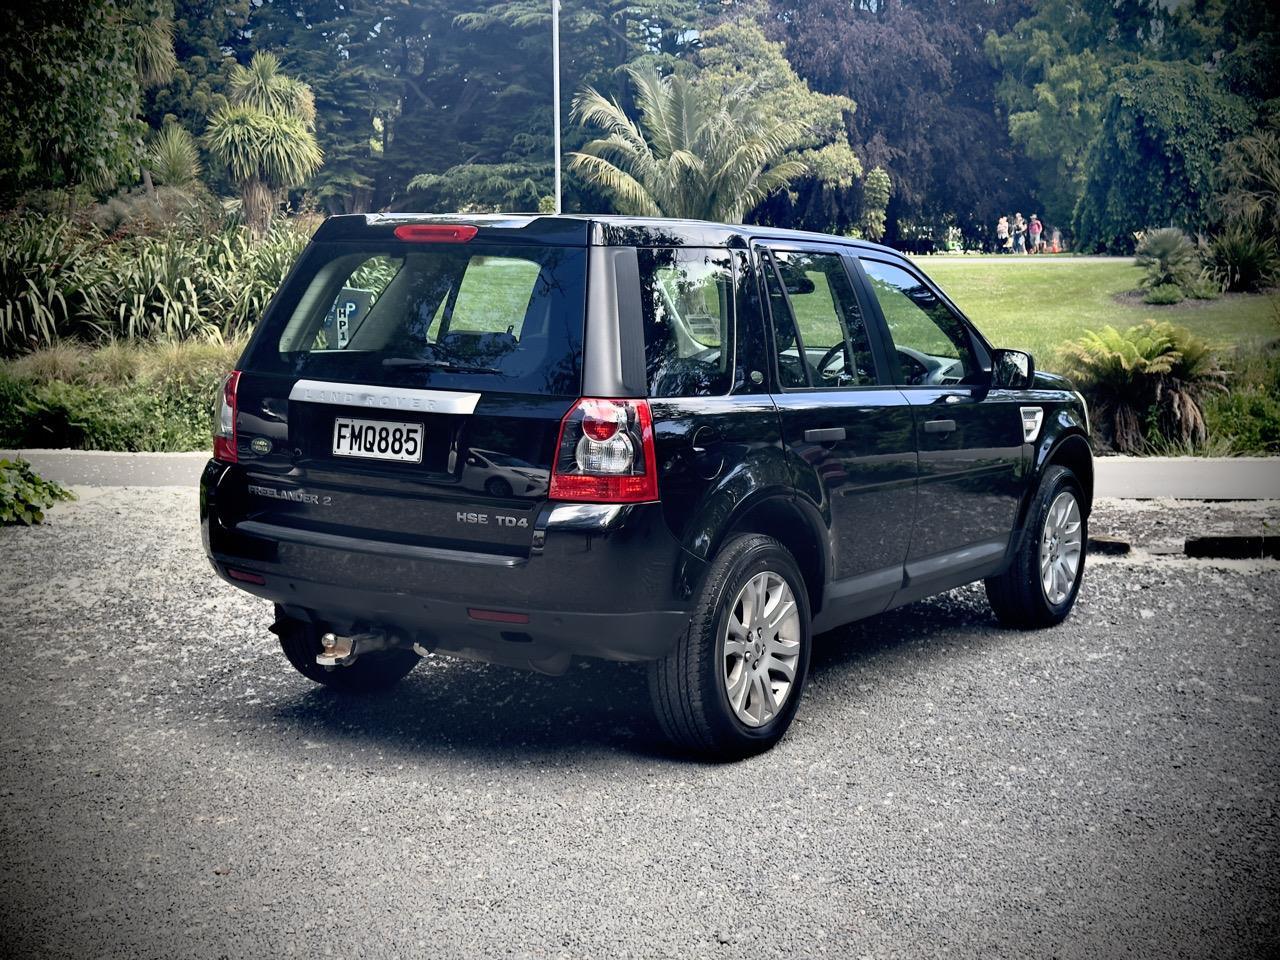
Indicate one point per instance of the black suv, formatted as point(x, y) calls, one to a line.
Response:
point(524, 438)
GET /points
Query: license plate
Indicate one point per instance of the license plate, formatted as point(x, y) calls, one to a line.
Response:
point(377, 440)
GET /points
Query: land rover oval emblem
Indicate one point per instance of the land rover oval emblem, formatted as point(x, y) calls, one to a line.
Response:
point(260, 445)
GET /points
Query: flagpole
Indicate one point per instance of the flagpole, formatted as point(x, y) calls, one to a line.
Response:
point(555, 87)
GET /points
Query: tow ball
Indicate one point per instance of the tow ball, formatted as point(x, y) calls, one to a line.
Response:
point(340, 651)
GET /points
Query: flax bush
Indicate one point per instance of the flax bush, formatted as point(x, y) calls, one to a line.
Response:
point(59, 281)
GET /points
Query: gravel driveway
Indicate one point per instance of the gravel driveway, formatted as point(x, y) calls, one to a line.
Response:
point(170, 788)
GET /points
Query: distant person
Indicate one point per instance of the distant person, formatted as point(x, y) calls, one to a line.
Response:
point(1002, 235)
point(1019, 233)
point(1035, 230)
point(1056, 242)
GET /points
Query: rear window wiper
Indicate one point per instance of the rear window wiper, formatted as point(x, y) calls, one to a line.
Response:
point(447, 366)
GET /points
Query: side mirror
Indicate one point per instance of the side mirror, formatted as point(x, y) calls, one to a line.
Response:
point(1012, 370)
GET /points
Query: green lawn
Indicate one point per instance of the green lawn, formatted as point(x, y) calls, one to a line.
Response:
point(1036, 306)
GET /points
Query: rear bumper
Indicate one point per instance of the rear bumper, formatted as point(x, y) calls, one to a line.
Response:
point(601, 581)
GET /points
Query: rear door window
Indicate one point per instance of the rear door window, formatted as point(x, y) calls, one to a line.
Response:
point(687, 299)
point(479, 317)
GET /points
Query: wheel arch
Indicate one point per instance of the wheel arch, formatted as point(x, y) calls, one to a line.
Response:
point(1071, 450)
point(779, 516)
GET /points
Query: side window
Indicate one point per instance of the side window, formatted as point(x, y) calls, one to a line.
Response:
point(821, 336)
point(686, 296)
point(932, 343)
point(360, 291)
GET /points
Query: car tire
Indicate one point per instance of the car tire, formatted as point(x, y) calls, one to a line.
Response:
point(498, 487)
point(370, 673)
point(692, 686)
point(1039, 588)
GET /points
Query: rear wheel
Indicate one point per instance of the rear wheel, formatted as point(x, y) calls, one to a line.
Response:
point(731, 686)
point(1040, 587)
point(371, 672)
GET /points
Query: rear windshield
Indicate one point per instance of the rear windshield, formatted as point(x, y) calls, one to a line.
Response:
point(474, 317)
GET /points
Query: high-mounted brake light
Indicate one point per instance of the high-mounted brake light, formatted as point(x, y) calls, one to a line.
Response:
point(436, 232)
point(606, 453)
point(224, 427)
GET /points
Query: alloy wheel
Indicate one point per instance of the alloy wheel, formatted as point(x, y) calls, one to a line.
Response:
point(1061, 548)
point(761, 648)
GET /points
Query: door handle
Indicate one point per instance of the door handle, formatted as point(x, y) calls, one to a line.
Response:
point(939, 426)
point(825, 435)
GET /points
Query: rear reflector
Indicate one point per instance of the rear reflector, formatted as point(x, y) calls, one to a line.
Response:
point(245, 576)
point(497, 616)
point(436, 232)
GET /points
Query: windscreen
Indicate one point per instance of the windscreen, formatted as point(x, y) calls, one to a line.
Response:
point(453, 316)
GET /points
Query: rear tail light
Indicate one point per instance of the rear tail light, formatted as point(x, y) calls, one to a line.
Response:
point(605, 454)
point(224, 424)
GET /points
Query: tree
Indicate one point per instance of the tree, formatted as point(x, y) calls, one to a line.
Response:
point(875, 200)
point(70, 89)
point(264, 136)
point(925, 94)
point(203, 34)
point(736, 55)
point(1061, 64)
point(1152, 163)
point(696, 151)
point(484, 187)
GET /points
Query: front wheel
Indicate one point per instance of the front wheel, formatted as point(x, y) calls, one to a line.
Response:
point(1040, 587)
point(731, 686)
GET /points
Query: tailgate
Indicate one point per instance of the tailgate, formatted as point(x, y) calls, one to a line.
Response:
point(476, 484)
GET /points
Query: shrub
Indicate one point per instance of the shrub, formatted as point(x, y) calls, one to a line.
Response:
point(1241, 258)
point(1249, 419)
point(1206, 288)
point(44, 283)
point(1249, 180)
point(24, 494)
point(1147, 383)
point(124, 396)
point(173, 157)
point(13, 393)
point(1249, 416)
point(187, 283)
point(1164, 294)
point(1170, 259)
point(137, 212)
point(64, 360)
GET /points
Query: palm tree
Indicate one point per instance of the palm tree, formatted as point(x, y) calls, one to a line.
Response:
point(264, 137)
point(695, 152)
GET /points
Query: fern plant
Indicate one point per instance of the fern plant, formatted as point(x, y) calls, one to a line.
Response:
point(1144, 384)
point(1180, 394)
